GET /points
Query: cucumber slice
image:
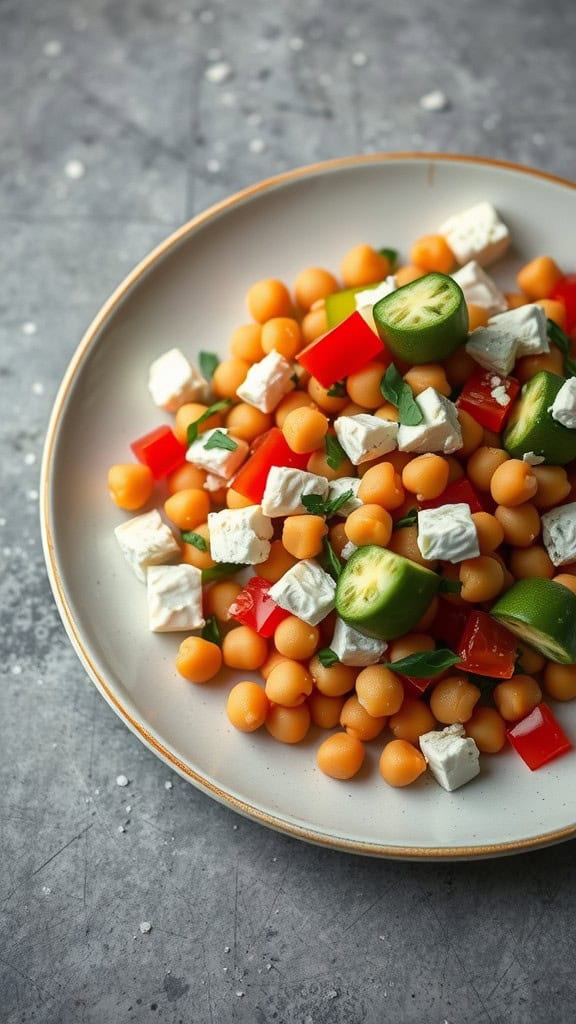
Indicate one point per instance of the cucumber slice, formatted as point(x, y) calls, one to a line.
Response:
point(531, 427)
point(423, 321)
point(382, 594)
point(543, 614)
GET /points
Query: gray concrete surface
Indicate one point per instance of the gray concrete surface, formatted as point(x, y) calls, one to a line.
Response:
point(110, 136)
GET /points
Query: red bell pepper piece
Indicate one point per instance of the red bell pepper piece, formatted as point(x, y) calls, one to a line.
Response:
point(538, 738)
point(342, 351)
point(461, 491)
point(160, 450)
point(270, 450)
point(477, 398)
point(414, 687)
point(486, 647)
point(565, 291)
point(448, 625)
point(254, 607)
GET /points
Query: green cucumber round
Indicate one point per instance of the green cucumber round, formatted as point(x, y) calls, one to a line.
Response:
point(543, 614)
point(531, 427)
point(423, 321)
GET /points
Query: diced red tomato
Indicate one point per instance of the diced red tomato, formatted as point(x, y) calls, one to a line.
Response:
point(478, 399)
point(448, 626)
point(254, 607)
point(160, 450)
point(486, 647)
point(342, 351)
point(270, 450)
point(565, 291)
point(461, 491)
point(538, 738)
point(415, 687)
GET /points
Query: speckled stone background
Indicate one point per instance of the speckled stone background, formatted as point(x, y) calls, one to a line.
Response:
point(118, 120)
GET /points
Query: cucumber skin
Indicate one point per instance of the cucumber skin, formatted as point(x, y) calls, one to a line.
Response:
point(560, 600)
point(560, 447)
point(441, 340)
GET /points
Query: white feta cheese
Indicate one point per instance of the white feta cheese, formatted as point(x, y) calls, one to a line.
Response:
point(353, 648)
point(174, 598)
point(564, 405)
point(439, 430)
point(500, 395)
point(146, 540)
point(370, 296)
point(365, 437)
point(532, 459)
point(240, 535)
point(453, 758)
point(348, 550)
point(267, 382)
point(217, 461)
point(493, 348)
point(528, 327)
point(214, 483)
point(339, 487)
point(285, 487)
point(476, 234)
point(448, 533)
point(559, 534)
point(306, 591)
point(172, 380)
point(479, 288)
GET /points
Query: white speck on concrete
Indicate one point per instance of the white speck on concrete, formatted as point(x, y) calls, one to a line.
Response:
point(16, 670)
point(46, 890)
point(331, 994)
point(128, 808)
point(121, 780)
point(268, 967)
point(38, 388)
point(359, 59)
point(29, 327)
point(121, 828)
point(228, 99)
point(235, 827)
point(168, 784)
point(74, 169)
point(29, 459)
point(434, 101)
point(296, 44)
point(32, 495)
point(256, 145)
point(239, 993)
point(2, 521)
point(145, 927)
point(213, 166)
point(218, 73)
point(226, 949)
point(53, 48)
point(40, 682)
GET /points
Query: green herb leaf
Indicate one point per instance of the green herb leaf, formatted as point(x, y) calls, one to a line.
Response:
point(208, 361)
point(410, 519)
point(391, 255)
point(337, 390)
point(449, 586)
point(335, 453)
point(399, 393)
point(333, 563)
point(192, 432)
point(221, 571)
point(326, 657)
point(425, 663)
point(211, 631)
point(196, 539)
point(221, 440)
point(316, 506)
point(561, 339)
point(295, 379)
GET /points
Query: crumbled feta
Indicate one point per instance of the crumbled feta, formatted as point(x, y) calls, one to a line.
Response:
point(564, 405)
point(214, 483)
point(339, 487)
point(528, 326)
point(240, 535)
point(448, 533)
point(174, 598)
point(267, 382)
point(370, 296)
point(476, 234)
point(559, 534)
point(217, 461)
point(532, 459)
point(365, 437)
point(492, 348)
point(500, 395)
point(172, 381)
point(479, 288)
point(440, 428)
point(348, 550)
point(146, 540)
point(353, 648)
point(285, 487)
point(306, 591)
point(453, 758)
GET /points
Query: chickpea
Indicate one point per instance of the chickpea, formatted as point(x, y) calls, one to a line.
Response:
point(228, 376)
point(405, 275)
point(246, 343)
point(282, 334)
point(247, 706)
point(271, 662)
point(387, 412)
point(198, 660)
point(236, 500)
point(528, 366)
point(560, 681)
point(427, 375)
point(482, 578)
point(186, 476)
point(288, 684)
point(554, 310)
point(219, 597)
point(453, 699)
point(369, 524)
point(295, 400)
point(459, 367)
point(358, 722)
point(426, 476)
point(323, 400)
point(516, 299)
point(531, 661)
point(296, 639)
point(363, 387)
point(278, 562)
point(488, 730)
point(189, 413)
point(401, 763)
point(192, 555)
point(455, 469)
point(412, 643)
point(246, 422)
point(188, 508)
point(533, 561)
point(382, 485)
point(334, 680)
point(130, 485)
point(432, 253)
point(537, 278)
point(472, 434)
point(341, 756)
point(288, 725)
point(317, 464)
point(267, 299)
point(553, 486)
point(412, 721)
point(363, 265)
point(427, 619)
point(477, 316)
point(312, 284)
point(314, 325)
point(482, 465)
point(517, 697)
point(513, 483)
point(566, 580)
point(304, 430)
point(379, 691)
point(521, 524)
point(490, 532)
point(302, 536)
point(325, 711)
point(338, 538)
point(243, 648)
point(404, 542)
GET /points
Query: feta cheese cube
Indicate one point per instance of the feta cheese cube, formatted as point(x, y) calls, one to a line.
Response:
point(240, 535)
point(146, 540)
point(339, 487)
point(306, 591)
point(353, 648)
point(172, 381)
point(564, 405)
point(174, 598)
point(285, 487)
point(453, 758)
point(476, 234)
point(217, 461)
point(348, 550)
point(214, 483)
point(267, 382)
point(559, 534)
point(365, 437)
point(448, 533)
point(440, 428)
point(370, 296)
point(527, 325)
point(492, 348)
point(480, 289)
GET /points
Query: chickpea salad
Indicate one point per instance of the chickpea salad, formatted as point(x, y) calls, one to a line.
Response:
point(369, 508)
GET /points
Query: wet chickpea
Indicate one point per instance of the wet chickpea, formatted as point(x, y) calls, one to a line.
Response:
point(426, 476)
point(427, 375)
point(268, 298)
point(246, 422)
point(228, 376)
point(218, 598)
point(401, 763)
point(198, 660)
point(302, 536)
point(288, 684)
point(288, 725)
point(363, 387)
point(295, 400)
point(382, 485)
point(358, 722)
point(387, 411)
point(379, 691)
point(332, 680)
point(246, 343)
point(554, 310)
point(130, 486)
point(533, 561)
point(453, 700)
point(313, 284)
point(199, 557)
point(278, 562)
point(488, 730)
point(338, 538)
point(459, 367)
point(273, 659)
point(328, 403)
point(363, 265)
point(412, 720)
point(186, 476)
point(247, 706)
point(528, 366)
point(472, 434)
point(404, 542)
point(553, 486)
point(537, 278)
point(521, 524)
point(482, 578)
point(566, 580)
point(236, 500)
point(296, 639)
point(411, 643)
point(314, 325)
point(560, 681)
point(282, 334)
point(517, 697)
point(186, 509)
point(427, 619)
point(317, 463)
point(325, 711)
point(529, 660)
point(189, 413)
point(407, 274)
point(477, 317)
point(513, 483)
point(243, 648)
point(455, 469)
point(341, 756)
point(304, 430)
point(490, 532)
point(369, 524)
point(482, 465)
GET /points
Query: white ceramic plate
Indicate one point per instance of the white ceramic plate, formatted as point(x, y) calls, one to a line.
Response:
point(190, 291)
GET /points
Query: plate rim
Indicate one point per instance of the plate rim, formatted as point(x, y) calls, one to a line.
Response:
point(90, 337)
